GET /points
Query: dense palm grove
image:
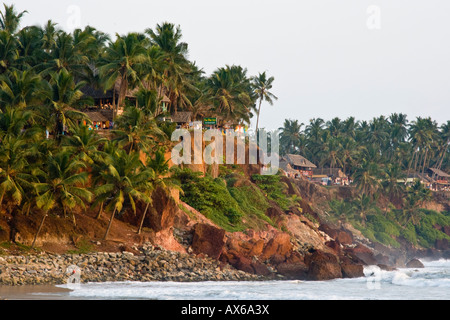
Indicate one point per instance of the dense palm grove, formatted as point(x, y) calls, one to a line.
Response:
point(50, 163)
point(383, 149)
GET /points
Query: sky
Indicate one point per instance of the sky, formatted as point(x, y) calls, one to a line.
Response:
point(329, 58)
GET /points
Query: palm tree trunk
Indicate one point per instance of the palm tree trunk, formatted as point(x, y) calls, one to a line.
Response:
point(143, 218)
point(99, 211)
point(39, 229)
point(1, 199)
point(257, 115)
point(110, 223)
point(409, 168)
point(424, 161)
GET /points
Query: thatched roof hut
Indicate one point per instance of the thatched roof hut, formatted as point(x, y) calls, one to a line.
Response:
point(439, 173)
point(297, 161)
point(97, 116)
point(182, 117)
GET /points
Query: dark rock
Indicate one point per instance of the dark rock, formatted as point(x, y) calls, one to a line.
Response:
point(208, 239)
point(344, 237)
point(324, 271)
point(352, 270)
point(260, 268)
point(441, 244)
point(386, 267)
point(297, 271)
point(334, 245)
point(323, 266)
point(415, 263)
point(362, 253)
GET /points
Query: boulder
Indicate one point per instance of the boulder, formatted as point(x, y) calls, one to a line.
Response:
point(162, 215)
point(293, 271)
point(324, 271)
point(344, 237)
point(362, 253)
point(415, 263)
point(341, 235)
point(352, 270)
point(334, 245)
point(208, 239)
point(323, 266)
point(260, 268)
point(280, 244)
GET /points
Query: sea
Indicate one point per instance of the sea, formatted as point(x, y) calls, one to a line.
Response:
point(429, 283)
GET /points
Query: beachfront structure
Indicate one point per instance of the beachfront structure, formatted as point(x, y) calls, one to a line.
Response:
point(297, 166)
point(107, 100)
point(182, 119)
point(330, 176)
point(101, 119)
point(440, 180)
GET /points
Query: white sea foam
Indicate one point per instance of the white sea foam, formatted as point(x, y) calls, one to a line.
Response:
point(431, 282)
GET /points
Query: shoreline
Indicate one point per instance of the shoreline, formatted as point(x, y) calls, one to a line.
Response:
point(62, 291)
point(148, 264)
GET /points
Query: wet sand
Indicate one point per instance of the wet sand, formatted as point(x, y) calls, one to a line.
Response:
point(34, 292)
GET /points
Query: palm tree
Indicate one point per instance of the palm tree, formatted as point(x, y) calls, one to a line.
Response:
point(174, 80)
point(63, 96)
point(262, 85)
point(13, 122)
point(14, 174)
point(137, 131)
point(83, 143)
point(423, 132)
point(8, 52)
point(331, 152)
point(393, 175)
point(364, 205)
point(123, 178)
point(366, 178)
point(29, 48)
point(20, 89)
point(49, 33)
point(61, 186)
point(445, 142)
point(10, 19)
point(290, 136)
point(334, 127)
point(123, 60)
point(416, 195)
point(228, 90)
point(349, 151)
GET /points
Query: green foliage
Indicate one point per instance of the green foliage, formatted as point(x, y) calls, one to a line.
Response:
point(251, 201)
point(427, 234)
point(210, 197)
point(409, 233)
point(387, 228)
point(274, 189)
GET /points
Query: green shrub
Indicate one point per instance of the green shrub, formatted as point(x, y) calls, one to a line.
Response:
point(381, 224)
point(274, 189)
point(210, 197)
point(409, 233)
point(386, 239)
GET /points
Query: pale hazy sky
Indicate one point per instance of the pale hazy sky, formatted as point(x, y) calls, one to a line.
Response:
point(329, 57)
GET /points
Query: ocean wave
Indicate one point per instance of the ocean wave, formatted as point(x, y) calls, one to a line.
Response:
point(435, 274)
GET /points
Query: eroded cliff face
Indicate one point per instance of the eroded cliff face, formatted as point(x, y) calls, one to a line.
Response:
point(302, 244)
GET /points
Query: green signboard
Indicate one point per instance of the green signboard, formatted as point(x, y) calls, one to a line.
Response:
point(209, 121)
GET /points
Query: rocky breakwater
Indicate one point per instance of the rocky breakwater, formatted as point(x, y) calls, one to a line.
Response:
point(147, 263)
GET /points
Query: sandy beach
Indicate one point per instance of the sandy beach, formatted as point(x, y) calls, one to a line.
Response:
point(33, 292)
